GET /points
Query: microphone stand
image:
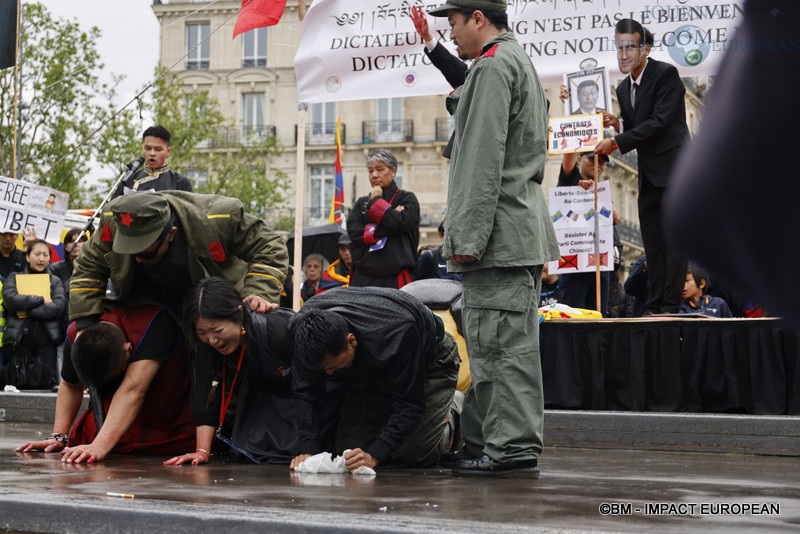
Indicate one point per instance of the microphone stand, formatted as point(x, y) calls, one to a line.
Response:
point(133, 167)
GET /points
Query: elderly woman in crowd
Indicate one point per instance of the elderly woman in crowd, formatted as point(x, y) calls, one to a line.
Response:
point(384, 228)
point(313, 266)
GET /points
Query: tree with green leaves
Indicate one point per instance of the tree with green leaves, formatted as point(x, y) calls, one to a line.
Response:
point(59, 63)
point(223, 159)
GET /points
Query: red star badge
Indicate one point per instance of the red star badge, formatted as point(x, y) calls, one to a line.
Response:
point(126, 219)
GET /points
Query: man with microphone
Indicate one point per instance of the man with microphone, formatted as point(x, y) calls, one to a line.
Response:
point(156, 174)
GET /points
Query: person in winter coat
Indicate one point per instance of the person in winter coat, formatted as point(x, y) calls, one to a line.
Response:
point(34, 323)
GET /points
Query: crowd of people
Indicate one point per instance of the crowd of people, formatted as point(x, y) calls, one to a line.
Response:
point(175, 327)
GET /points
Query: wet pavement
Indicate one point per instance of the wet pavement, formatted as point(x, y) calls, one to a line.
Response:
point(580, 490)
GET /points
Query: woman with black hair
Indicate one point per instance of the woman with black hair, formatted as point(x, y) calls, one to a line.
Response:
point(242, 376)
point(33, 324)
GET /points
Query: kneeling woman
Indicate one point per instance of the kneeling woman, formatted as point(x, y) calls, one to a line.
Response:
point(241, 384)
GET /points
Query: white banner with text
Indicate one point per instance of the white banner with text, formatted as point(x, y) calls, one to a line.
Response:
point(369, 49)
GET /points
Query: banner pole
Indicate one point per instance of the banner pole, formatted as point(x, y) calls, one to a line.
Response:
point(597, 300)
point(17, 89)
point(299, 184)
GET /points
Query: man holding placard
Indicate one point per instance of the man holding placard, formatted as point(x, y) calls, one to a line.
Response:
point(653, 121)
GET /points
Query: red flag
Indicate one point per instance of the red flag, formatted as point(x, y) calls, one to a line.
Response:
point(568, 262)
point(257, 14)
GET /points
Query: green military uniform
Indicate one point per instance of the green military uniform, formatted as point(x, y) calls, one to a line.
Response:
point(215, 237)
point(496, 212)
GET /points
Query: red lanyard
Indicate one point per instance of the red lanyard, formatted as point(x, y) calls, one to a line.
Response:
point(225, 402)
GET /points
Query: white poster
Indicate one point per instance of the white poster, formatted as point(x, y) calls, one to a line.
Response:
point(23, 205)
point(573, 214)
point(576, 133)
point(369, 49)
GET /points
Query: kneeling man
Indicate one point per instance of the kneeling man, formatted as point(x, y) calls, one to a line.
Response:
point(396, 368)
point(136, 361)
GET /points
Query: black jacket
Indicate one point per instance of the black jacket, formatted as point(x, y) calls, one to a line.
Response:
point(51, 313)
point(401, 228)
point(265, 421)
point(395, 334)
point(168, 181)
point(656, 127)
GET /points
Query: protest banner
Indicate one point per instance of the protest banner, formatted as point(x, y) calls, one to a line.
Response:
point(369, 49)
point(24, 204)
point(573, 212)
point(576, 133)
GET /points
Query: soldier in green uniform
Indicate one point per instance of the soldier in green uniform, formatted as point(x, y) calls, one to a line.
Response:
point(154, 247)
point(497, 235)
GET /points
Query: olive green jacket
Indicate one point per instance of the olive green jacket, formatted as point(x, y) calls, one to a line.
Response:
point(496, 208)
point(222, 240)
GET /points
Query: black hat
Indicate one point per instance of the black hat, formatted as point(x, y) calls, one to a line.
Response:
point(590, 154)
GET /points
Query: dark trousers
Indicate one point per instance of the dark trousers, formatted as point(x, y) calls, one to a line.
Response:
point(580, 290)
point(665, 267)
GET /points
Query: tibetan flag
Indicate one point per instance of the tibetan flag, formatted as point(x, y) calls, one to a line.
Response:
point(8, 33)
point(568, 262)
point(337, 201)
point(593, 260)
point(557, 215)
point(257, 14)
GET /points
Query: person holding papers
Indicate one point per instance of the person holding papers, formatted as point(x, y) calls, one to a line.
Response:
point(35, 303)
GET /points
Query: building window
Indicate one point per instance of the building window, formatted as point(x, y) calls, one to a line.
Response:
point(198, 46)
point(321, 186)
point(398, 177)
point(253, 113)
point(390, 119)
point(255, 48)
point(323, 123)
point(199, 179)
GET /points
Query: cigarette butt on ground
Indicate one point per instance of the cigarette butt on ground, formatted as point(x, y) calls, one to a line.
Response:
point(119, 495)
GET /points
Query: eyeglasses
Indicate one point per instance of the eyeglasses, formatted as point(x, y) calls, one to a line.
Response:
point(150, 255)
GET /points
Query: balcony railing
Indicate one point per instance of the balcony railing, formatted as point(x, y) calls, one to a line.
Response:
point(197, 64)
point(444, 128)
point(228, 137)
point(254, 62)
point(387, 131)
point(630, 232)
point(322, 133)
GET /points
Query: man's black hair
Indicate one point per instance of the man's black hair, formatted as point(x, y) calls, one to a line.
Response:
point(498, 19)
point(98, 352)
point(157, 131)
point(631, 26)
point(316, 334)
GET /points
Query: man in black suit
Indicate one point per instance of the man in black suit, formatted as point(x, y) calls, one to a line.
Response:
point(653, 116)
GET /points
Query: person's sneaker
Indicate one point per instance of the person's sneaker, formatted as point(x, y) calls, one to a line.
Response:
point(487, 467)
point(450, 459)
